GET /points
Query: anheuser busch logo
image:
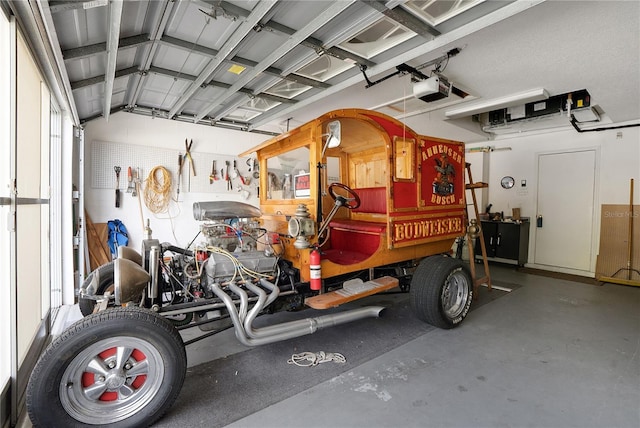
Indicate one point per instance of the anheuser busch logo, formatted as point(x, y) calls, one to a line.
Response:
point(441, 164)
point(442, 188)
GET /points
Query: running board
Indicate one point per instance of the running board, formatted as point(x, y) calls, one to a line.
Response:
point(352, 290)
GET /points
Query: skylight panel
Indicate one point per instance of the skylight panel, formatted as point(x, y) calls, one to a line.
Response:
point(324, 68)
point(287, 89)
point(435, 12)
point(378, 37)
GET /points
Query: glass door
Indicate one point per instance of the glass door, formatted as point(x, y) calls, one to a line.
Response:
point(7, 286)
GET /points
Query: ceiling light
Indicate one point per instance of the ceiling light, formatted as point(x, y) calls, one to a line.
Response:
point(497, 103)
point(588, 114)
point(236, 69)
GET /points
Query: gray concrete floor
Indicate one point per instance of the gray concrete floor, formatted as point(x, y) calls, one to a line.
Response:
point(553, 353)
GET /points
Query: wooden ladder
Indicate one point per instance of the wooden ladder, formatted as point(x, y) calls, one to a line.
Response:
point(472, 260)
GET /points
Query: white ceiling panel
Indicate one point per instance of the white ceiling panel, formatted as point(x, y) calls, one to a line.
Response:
point(161, 90)
point(191, 24)
point(180, 60)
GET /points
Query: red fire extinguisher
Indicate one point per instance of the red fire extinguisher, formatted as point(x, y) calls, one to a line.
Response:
point(314, 270)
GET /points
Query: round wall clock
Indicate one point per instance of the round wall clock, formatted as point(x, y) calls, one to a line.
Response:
point(507, 182)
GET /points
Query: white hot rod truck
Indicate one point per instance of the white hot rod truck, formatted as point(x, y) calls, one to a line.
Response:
point(352, 203)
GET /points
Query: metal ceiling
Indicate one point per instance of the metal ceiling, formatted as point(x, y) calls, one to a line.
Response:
point(239, 63)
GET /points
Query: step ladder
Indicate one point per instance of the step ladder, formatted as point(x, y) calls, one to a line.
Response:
point(486, 279)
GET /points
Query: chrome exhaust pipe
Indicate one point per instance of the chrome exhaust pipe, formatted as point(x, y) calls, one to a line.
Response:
point(250, 336)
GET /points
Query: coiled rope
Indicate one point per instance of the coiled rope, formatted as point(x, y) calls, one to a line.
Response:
point(310, 359)
point(157, 190)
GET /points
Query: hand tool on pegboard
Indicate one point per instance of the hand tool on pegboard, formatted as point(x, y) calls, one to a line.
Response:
point(136, 176)
point(253, 168)
point(130, 186)
point(117, 169)
point(179, 176)
point(187, 156)
point(214, 173)
point(227, 177)
point(236, 172)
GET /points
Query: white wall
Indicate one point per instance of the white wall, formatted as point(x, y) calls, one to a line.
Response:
point(178, 226)
point(618, 161)
point(618, 153)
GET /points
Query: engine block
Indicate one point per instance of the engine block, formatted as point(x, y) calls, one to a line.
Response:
point(222, 267)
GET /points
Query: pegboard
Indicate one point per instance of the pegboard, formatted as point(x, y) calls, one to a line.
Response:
point(106, 155)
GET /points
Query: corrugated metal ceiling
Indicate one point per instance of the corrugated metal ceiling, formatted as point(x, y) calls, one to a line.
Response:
point(236, 63)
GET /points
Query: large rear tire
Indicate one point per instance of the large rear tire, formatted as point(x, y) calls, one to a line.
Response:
point(441, 291)
point(122, 367)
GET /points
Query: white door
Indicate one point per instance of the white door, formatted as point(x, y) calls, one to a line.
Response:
point(564, 227)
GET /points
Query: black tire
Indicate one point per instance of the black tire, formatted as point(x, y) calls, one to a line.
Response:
point(441, 291)
point(105, 283)
point(80, 381)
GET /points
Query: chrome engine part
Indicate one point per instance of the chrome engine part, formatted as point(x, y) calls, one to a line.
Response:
point(241, 235)
point(222, 266)
point(228, 224)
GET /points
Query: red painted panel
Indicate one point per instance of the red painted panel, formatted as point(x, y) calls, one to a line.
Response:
point(358, 226)
point(442, 167)
point(405, 194)
point(348, 247)
point(393, 129)
point(372, 200)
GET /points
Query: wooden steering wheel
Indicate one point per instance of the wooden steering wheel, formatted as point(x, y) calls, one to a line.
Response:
point(346, 202)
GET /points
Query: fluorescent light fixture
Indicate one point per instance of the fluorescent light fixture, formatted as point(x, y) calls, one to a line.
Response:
point(483, 106)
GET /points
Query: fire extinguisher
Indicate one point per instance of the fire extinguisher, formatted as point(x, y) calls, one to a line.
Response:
point(314, 270)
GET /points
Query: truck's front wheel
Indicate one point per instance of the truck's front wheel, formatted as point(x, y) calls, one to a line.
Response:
point(122, 367)
point(441, 291)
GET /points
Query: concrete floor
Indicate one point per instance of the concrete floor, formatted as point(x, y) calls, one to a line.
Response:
point(552, 353)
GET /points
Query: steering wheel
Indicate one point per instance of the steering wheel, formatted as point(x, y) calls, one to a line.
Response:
point(341, 199)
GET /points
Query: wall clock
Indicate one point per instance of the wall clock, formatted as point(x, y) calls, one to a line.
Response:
point(507, 182)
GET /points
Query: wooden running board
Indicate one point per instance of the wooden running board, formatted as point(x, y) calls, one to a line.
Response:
point(351, 293)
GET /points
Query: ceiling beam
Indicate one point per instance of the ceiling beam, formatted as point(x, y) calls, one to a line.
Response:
point(403, 18)
point(113, 37)
point(166, 7)
point(334, 9)
point(212, 53)
point(309, 42)
point(425, 48)
point(317, 45)
point(279, 73)
point(99, 79)
point(55, 69)
point(249, 92)
point(246, 27)
point(188, 46)
point(98, 48)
